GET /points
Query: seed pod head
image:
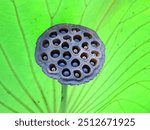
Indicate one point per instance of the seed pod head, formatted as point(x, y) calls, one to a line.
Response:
point(72, 54)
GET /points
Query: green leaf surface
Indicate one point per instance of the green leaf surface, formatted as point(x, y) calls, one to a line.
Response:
point(123, 85)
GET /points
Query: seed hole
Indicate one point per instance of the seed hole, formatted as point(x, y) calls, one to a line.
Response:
point(84, 56)
point(85, 45)
point(65, 45)
point(87, 35)
point(63, 30)
point(55, 53)
point(44, 56)
point(62, 63)
point(53, 34)
point(86, 69)
point(95, 44)
point(52, 67)
point(66, 72)
point(93, 62)
point(67, 55)
point(95, 53)
point(75, 30)
point(67, 37)
point(45, 43)
point(56, 42)
point(77, 73)
point(76, 49)
point(77, 38)
point(75, 63)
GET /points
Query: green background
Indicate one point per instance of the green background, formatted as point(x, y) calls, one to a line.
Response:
point(124, 82)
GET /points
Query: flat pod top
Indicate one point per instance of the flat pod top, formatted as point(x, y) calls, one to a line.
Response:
point(73, 54)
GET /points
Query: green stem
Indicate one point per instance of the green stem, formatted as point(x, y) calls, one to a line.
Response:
point(63, 104)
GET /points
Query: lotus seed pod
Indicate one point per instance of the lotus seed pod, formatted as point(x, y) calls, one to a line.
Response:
point(72, 54)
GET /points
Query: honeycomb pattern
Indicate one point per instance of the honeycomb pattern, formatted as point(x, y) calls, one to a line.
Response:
point(72, 54)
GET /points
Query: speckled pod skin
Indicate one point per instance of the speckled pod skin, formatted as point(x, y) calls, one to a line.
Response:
point(72, 54)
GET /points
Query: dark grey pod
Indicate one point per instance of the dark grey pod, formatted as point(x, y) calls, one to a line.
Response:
point(73, 54)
